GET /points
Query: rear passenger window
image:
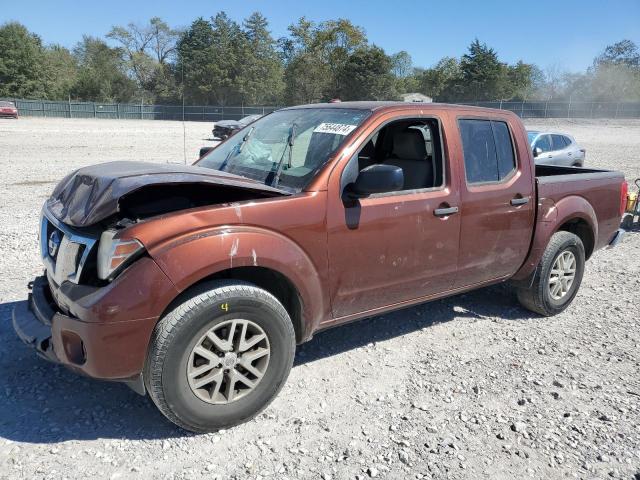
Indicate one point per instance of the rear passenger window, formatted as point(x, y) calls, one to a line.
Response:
point(488, 151)
point(558, 142)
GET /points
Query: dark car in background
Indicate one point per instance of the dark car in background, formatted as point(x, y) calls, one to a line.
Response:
point(8, 110)
point(225, 128)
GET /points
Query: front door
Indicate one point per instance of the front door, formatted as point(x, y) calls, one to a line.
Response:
point(398, 246)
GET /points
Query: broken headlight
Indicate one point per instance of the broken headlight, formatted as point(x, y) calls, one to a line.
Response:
point(115, 254)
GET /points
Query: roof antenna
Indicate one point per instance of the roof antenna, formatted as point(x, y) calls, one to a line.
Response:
point(184, 128)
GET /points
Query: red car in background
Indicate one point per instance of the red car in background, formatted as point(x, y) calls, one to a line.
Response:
point(8, 109)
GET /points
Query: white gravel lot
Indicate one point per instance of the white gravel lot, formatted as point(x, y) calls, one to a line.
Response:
point(472, 386)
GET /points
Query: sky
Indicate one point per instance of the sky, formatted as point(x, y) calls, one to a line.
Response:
point(564, 34)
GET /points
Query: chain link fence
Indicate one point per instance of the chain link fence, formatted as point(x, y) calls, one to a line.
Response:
point(212, 113)
point(553, 109)
point(72, 109)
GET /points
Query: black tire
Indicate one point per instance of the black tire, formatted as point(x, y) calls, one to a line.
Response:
point(179, 330)
point(627, 222)
point(537, 297)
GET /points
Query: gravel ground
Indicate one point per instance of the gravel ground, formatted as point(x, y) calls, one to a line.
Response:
point(468, 387)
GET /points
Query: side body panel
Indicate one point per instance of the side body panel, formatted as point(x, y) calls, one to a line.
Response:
point(287, 235)
point(593, 198)
point(495, 235)
point(390, 248)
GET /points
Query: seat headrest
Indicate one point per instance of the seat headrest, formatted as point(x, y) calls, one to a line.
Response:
point(409, 145)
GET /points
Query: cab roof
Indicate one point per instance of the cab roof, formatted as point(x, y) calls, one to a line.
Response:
point(390, 105)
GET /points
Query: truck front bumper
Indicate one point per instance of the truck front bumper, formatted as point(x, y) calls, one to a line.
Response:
point(32, 320)
point(105, 335)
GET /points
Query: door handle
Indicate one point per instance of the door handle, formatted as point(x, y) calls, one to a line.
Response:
point(444, 212)
point(519, 201)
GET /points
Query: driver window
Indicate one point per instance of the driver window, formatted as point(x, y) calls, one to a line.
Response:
point(412, 145)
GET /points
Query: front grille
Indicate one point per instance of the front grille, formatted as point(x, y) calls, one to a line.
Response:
point(64, 250)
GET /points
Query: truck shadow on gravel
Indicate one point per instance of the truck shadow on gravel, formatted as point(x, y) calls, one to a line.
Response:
point(45, 403)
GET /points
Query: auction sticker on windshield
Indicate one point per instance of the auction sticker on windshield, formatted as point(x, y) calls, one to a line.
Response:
point(335, 128)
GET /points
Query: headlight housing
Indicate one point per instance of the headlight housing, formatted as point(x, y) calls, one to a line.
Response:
point(115, 254)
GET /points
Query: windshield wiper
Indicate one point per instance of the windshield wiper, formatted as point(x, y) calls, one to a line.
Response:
point(238, 149)
point(289, 146)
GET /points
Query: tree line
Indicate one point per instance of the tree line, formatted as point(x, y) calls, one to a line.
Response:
point(219, 61)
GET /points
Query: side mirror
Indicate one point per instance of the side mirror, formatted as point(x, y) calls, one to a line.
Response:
point(537, 151)
point(204, 151)
point(377, 178)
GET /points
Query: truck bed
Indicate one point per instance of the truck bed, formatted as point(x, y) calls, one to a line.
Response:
point(543, 171)
point(599, 188)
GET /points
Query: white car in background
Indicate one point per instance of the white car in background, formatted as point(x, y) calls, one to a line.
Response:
point(550, 148)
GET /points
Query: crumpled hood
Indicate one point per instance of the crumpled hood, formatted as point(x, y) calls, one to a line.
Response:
point(91, 194)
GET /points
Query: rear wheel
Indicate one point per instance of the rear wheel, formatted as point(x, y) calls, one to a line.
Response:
point(220, 357)
point(558, 276)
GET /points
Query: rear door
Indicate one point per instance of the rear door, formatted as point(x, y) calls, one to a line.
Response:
point(497, 200)
point(560, 153)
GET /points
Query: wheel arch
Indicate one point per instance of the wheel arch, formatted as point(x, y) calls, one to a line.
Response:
point(265, 278)
point(579, 227)
point(267, 259)
point(572, 214)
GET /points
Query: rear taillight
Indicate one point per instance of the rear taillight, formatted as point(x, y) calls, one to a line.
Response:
point(624, 189)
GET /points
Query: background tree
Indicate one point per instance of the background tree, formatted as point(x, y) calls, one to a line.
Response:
point(482, 73)
point(401, 64)
point(147, 52)
point(366, 75)
point(442, 81)
point(315, 56)
point(228, 62)
point(263, 71)
point(22, 63)
point(194, 50)
point(62, 72)
point(102, 73)
point(624, 53)
point(521, 81)
point(306, 75)
point(615, 74)
point(336, 41)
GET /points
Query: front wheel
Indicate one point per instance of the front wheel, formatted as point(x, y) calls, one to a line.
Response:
point(558, 276)
point(220, 357)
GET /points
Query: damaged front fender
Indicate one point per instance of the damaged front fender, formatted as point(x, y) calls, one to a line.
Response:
point(226, 248)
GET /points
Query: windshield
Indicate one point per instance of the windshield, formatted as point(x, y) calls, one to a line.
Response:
point(287, 147)
point(249, 119)
point(532, 136)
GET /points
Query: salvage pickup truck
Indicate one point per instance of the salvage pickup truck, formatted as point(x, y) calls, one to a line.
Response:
point(195, 283)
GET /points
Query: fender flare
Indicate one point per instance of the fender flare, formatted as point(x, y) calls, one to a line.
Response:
point(576, 207)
